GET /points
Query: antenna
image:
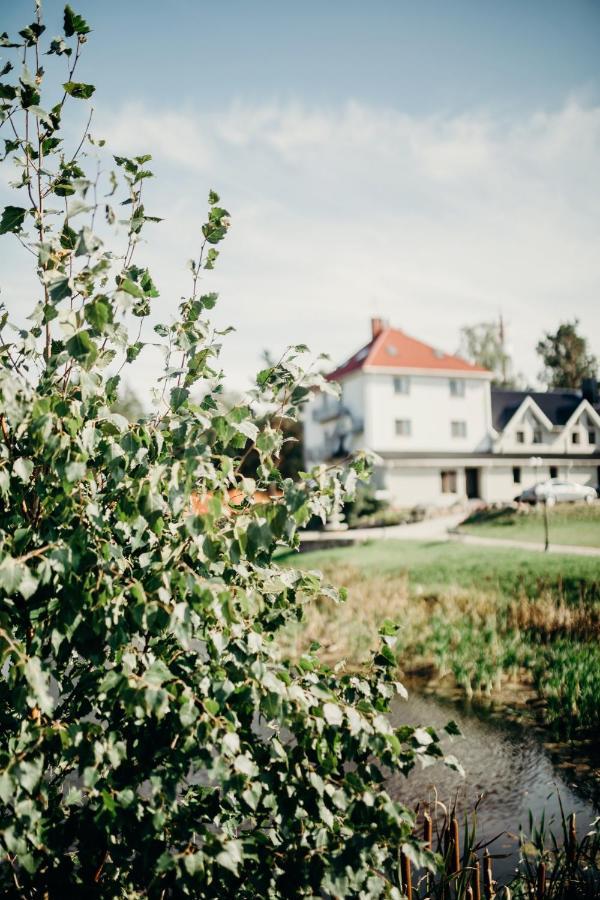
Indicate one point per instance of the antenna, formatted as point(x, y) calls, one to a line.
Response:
point(501, 335)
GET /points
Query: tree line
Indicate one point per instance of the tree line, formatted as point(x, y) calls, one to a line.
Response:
point(565, 355)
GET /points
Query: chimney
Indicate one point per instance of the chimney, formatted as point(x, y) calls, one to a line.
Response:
point(377, 326)
point(589, 390)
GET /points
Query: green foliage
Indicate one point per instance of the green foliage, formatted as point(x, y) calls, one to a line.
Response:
point(571, 861)
point(12, 219)
point(365, 510)
point(152, 741)
point(484, 345)
point(566, 357)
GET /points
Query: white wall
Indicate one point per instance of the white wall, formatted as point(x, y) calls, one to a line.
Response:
point(430, 409)
point(583, 424)
point(410, 487)
point(312, 431)
point(415, 483)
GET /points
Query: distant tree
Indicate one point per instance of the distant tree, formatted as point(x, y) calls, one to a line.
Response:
point(128, 404)
point(566, 357)
point(483, 345)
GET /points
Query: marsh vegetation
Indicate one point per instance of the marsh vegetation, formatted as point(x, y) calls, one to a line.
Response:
point(494, 622)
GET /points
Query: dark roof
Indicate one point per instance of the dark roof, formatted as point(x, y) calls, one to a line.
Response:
point(559, 406)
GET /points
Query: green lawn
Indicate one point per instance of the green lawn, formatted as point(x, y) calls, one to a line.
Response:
point(442, 564)
point(485, 617)
point(577, 524)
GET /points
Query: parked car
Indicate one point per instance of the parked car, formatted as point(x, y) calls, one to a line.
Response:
point(555, 490)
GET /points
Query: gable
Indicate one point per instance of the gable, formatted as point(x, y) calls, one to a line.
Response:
point(557, 406)
point(529, 413)
point(584, 415)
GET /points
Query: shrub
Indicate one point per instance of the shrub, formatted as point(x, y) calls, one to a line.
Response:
point(152, 742)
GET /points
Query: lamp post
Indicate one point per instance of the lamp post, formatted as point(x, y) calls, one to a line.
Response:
point(536, 462)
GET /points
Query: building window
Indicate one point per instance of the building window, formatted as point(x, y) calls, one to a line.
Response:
point(575, 437)
point(591, 437)
point(401, 384)
point(520, 437)
point(449, 481)
point(403, 428)
point(537, 436)
point(517, 474)
point(457, 387)
point(458, 429)
point(553, 471)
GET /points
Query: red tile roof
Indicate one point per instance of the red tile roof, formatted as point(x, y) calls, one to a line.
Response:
point(392, 349)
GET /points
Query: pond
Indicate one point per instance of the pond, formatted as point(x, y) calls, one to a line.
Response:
point(506, 763)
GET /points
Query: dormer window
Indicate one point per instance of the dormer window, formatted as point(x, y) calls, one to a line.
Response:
point(457, 387)
point(537, 436)
point(401, 384)
point(591, 436)
point(520, 437)
point(575, 438)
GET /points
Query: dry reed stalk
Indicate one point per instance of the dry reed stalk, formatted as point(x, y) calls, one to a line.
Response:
point(541, 881)
point(427, 830)
point(476, 879)
point(488, 876)
point(455, 846)
point(572, 842)
point(406, 875)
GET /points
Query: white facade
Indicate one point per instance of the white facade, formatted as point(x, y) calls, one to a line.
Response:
point(438, 435)
point(457, 399)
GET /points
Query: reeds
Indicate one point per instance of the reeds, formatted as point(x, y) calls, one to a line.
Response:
point(548, 868)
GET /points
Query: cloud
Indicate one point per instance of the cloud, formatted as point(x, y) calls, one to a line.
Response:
point(346, 212)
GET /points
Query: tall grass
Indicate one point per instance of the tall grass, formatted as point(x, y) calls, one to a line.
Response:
point(517, 625)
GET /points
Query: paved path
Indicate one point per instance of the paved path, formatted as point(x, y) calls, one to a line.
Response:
point(440, 528)
point(435, 529)
point(524, 545)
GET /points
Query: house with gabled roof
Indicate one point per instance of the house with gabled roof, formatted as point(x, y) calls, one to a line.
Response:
point(440, 431)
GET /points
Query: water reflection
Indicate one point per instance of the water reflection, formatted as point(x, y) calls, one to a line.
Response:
point(508, 765)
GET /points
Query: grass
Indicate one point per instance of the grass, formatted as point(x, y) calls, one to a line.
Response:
point(576, 524)
point(486, 617)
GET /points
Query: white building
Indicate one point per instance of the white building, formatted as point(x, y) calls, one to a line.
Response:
point(441, 432)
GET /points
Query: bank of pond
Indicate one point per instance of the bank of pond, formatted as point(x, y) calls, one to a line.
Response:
point(506, 642)
point(513, 780)
point(486, 619)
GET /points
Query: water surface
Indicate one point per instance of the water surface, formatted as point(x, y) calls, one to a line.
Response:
point(506, 763)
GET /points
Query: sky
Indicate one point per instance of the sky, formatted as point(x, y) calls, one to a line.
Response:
point(437, 164)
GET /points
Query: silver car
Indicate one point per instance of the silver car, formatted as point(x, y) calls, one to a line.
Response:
point(556, 490)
